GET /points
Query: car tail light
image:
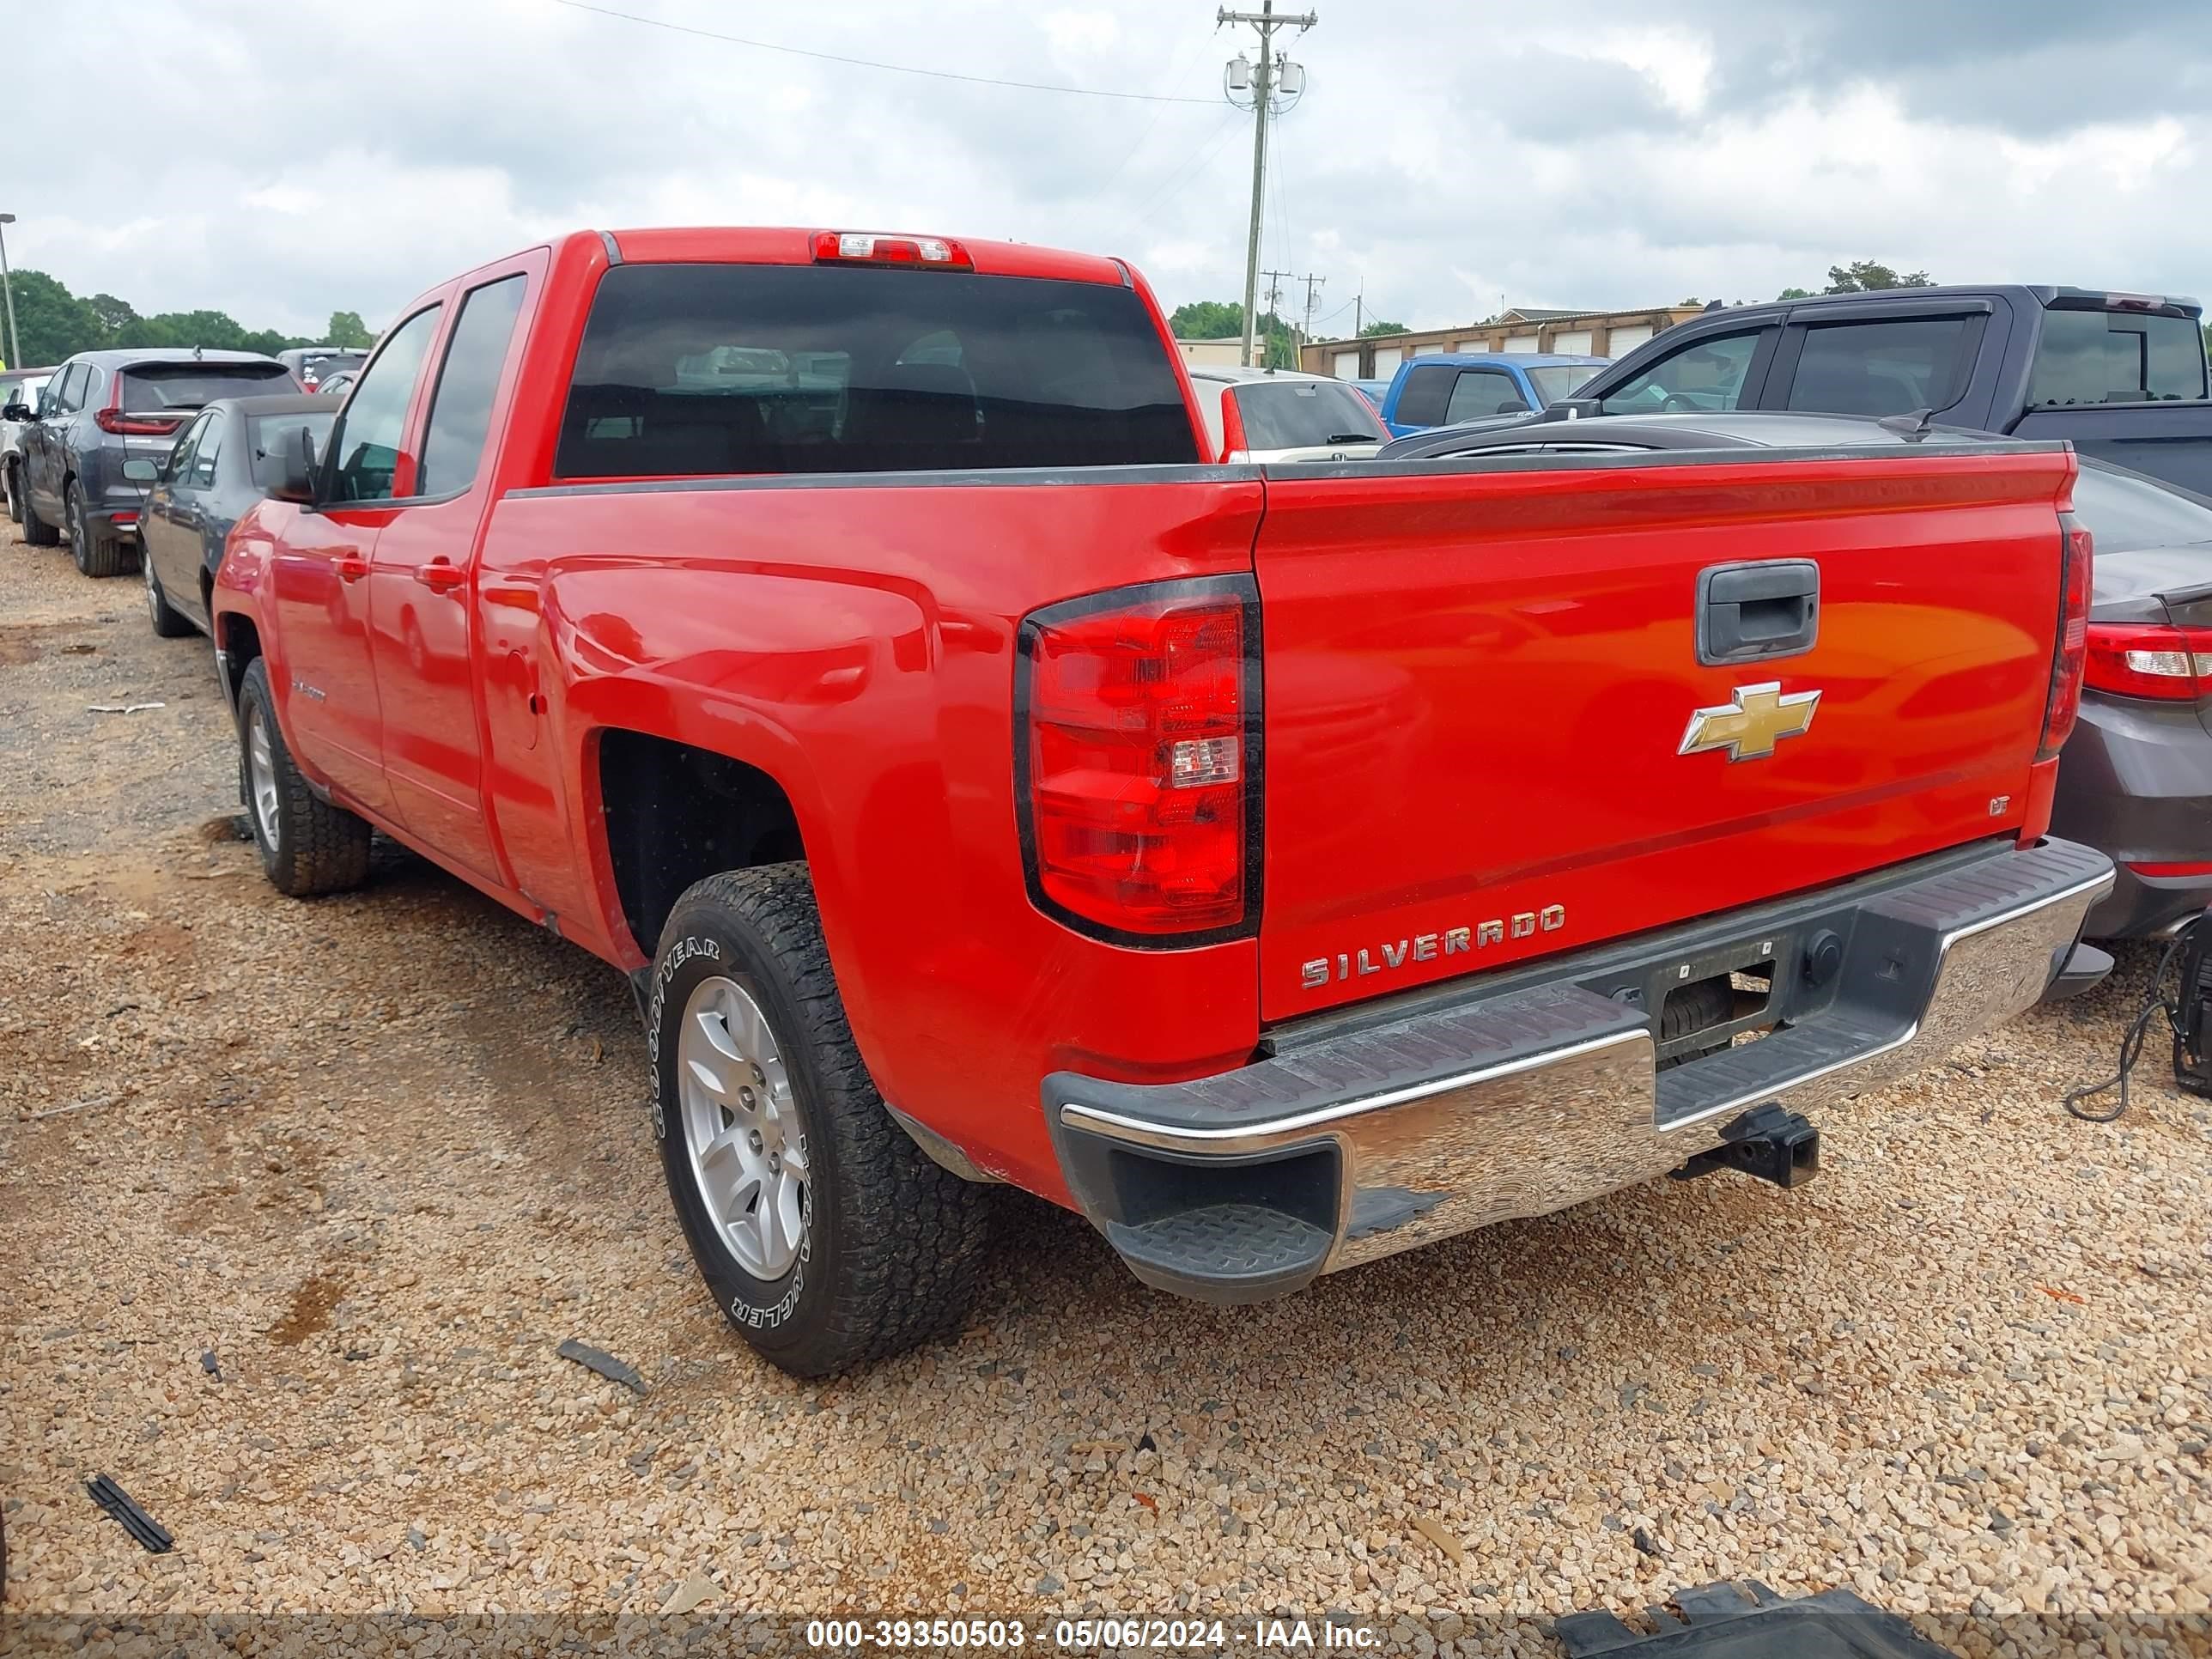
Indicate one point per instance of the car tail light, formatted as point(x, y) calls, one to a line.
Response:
point(2078, 551)
point(2149, 660)
point(1233, 441)
point(853, 248)
point(1138, 760)
point(2158, 869)
point(113, 419)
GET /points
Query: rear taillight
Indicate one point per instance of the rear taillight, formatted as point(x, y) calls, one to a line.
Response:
point(1233, 442)
point(2078, 551)
point(2149, 659)
point(1138, 760)
point(134, 426)
point(867, 248)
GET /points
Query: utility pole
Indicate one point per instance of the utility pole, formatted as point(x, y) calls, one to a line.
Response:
point(15, 348)
point(1359, 306)
point(1274, 306)
point(1262, 82)
point(1312, 283)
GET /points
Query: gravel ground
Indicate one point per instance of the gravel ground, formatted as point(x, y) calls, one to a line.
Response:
point(296, 1201)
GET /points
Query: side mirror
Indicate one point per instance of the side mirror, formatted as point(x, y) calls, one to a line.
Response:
point(18, 412)
point(140, 471)
point(297, 484)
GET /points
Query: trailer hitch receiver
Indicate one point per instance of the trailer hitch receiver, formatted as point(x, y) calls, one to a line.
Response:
point(1768, 1142)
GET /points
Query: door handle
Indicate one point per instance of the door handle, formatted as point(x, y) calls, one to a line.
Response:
point(440, 575)
point(351, 569)
point(1753, 612)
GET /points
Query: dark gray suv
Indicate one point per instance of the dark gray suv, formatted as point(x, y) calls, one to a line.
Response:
point(102, 408)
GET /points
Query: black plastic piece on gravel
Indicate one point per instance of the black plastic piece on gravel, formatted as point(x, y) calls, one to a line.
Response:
point(135, 1521)
point(597, 1360)
point(1744, 1620)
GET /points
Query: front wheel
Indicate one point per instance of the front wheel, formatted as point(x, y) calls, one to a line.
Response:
point(169, 623)
point(36, 530)
point(307, 845)
point(829, 1239)
point(8, 482)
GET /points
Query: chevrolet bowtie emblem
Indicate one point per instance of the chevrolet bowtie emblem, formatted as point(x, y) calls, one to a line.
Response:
point(1749, 727)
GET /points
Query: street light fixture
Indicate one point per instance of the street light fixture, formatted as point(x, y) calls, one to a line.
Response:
point(7, 289)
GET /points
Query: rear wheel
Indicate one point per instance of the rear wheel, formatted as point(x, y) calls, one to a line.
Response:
point(36, 530)
point(307, 845)
point(168, 622)
point(97, 550)
point(827, 1238)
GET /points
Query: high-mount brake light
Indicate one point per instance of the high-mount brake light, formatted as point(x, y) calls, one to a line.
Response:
point(863, 247)
point(2149, 660)
point(1139, 760)
point(2077, 555)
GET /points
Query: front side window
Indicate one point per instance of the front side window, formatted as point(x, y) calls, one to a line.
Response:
point(205, 455)
point(460, 409)
point(1884, 367)
point(1704, 376)
point(368, 445)
point(1556, 381)
point(2115, 357)
point(1483, 391)
point(691, 370)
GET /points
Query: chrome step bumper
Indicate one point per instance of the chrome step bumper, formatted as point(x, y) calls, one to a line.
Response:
point(1519, 1098)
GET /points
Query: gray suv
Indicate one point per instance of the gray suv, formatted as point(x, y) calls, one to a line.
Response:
point(102, 408)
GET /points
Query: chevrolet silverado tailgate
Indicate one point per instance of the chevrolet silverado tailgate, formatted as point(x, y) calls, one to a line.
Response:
point(1489, 734)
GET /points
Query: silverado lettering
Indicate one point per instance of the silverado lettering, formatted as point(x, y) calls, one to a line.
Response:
point(856, 640)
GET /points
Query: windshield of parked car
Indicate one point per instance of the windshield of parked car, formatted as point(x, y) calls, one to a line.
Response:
point(321, 365)
point(687, 370)
point(266, 436)
point(25, 391)
point(1553, 381)
point(2115, 357)
point(1302, 414)
point(191, 386)
point(2126, 511)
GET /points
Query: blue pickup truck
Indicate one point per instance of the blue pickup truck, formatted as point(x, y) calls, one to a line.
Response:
point(1445, 388)
point(2123, 375)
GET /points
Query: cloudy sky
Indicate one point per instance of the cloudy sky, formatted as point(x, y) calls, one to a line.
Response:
point(281, 160)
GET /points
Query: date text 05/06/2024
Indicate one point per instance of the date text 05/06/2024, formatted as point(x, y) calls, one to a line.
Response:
point(1090, 1635)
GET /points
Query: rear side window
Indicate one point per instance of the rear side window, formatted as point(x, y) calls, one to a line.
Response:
point(2115, 357)
point(460, 409)
point(207, 453)
point(1483, 391)
point(193, 385)
point(267, 436)
point(687, 370)
point(1300, 414)
point(1423, 401)
point(1884, 367)
point(1706, 376)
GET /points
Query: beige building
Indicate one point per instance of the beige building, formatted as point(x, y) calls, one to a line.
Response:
point(1218, 353)
point(1524, 329)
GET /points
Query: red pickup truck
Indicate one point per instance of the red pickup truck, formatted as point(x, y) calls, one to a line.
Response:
point(852, 638)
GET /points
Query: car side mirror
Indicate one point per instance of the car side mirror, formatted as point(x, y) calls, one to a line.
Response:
point(18, 412)
point(297, 483)
point(138, 470)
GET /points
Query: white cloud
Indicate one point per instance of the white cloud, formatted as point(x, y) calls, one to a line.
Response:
point(352, 158)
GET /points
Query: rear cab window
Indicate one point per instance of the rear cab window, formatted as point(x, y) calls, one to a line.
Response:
point(1303, 414)
point(151, 386)
point(2116, 356)
point(691, 370)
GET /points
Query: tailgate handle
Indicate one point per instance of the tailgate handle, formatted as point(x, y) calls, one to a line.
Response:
point(1750, 612)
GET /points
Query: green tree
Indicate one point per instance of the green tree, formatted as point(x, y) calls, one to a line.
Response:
point(1199, 319)
point(1379, 327)
point(346, 329)
point(1866, 276)
point(51, 322)
point(1795, 294)
point(115, 315)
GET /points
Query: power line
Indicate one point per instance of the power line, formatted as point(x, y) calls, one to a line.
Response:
point(874, 64)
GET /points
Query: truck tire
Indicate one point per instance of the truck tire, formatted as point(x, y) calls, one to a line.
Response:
point(10, 481)
point(307, 845)
point(36, 530)
point(866, 1248)
point(98, 552)
point(168, 622)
